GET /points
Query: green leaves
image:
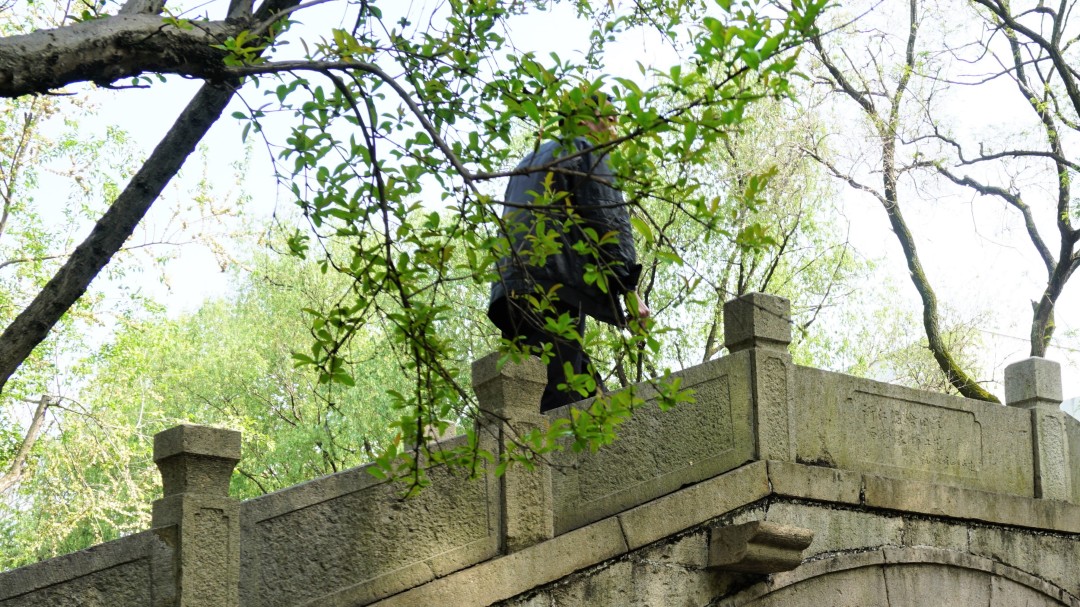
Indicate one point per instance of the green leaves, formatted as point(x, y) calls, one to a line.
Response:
point(399, 159)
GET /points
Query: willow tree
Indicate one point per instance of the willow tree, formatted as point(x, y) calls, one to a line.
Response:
point(898, 67)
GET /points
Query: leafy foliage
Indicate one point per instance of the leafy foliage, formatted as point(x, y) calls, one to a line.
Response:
point(394, 112)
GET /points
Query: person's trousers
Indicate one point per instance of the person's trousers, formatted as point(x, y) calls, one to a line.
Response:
point(529, 326)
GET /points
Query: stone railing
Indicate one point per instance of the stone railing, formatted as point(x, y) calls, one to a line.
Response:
point(348, 539)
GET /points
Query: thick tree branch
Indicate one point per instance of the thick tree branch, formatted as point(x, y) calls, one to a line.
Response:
point(33, 324)
point(108, 50)
point(134, 7)
point(111, 231)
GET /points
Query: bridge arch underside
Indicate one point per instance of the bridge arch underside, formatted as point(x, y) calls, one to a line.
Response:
point(859, 557)
point(902, 577)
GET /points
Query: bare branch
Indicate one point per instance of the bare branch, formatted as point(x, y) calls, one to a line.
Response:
point(17, 468)
point(1016, 202)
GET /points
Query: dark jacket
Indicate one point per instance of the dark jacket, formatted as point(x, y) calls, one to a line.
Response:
point(591, 201)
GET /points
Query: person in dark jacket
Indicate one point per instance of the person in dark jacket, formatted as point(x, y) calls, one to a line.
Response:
point(571, 252)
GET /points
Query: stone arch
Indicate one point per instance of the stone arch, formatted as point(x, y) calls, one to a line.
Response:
point(903, 577)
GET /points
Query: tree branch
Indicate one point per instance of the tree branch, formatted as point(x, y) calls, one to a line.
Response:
point(14, 473)
point(111, 231)
point(1013, 200)
point(110, 49)
point(33, 324)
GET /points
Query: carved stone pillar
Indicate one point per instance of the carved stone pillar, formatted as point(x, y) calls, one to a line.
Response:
point(1035, 384)
point(760, 326)
point(196, 463)
point(509, 400)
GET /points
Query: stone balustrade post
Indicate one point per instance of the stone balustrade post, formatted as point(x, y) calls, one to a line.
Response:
point(509, 398)
point(759, 326)
point(196, 463)
point(1035, 384)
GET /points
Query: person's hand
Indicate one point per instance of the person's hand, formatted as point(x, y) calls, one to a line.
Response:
point(637, 305)
point(643, 310)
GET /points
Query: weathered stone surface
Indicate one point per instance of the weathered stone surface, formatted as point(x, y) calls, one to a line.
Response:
point(1072, 434)
point(758, 547)
point(1050, 557)
point(510, 389)
point(196, 463)
point(901, 577)
point(914, 585)
point(510, 396)
point(508, 576)
point(126, 585)
point(690, 551)
point(774, 418)
point(1033, 382)
point(665, 574)
point(334, 534)
point(850, 588)
point(815, 482)
point(694, 505)
point(865, 426)
point(659, 451)
point(756, 320)
point(196, 459)
point(939, 534)
point(957, 502)
point(135, 571)
point(839, 529)
point(528, 513)
point(1007, 593)
point(1052, 459)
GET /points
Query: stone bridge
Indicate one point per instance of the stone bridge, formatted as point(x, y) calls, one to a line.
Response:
point(780, 485)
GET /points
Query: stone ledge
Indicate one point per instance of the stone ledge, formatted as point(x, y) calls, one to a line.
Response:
point(694, 505)
point(920, 497)
point(970, 504)
point(412, 575)
point(521, 571)
point(815, 482)
point(758, 547)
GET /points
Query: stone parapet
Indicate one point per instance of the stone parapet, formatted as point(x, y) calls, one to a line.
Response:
point(133, 571)
point(855, 424)
point(656, 451)
point(351, 538)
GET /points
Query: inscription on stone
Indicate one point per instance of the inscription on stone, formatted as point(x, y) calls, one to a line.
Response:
point(915, 435)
